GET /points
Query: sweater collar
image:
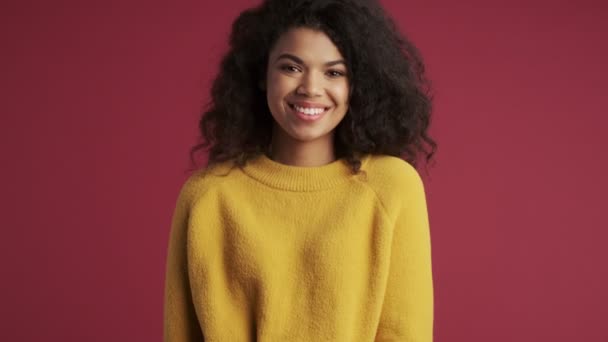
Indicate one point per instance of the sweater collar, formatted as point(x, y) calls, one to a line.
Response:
point(299, 178)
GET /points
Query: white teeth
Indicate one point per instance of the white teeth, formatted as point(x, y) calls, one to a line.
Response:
point(309, 111)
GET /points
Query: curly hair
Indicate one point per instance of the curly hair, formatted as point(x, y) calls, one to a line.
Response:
point(390, 102)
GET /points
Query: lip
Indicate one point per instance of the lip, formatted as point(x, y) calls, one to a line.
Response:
point(304, 117)
point(307, 104)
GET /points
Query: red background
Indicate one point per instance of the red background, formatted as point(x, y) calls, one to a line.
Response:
point(100, 105)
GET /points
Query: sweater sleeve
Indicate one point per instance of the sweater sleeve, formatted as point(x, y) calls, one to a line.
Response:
point(407, 311)
point(180, 320)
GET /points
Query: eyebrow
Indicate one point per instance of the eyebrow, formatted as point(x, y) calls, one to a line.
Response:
point(300, 61)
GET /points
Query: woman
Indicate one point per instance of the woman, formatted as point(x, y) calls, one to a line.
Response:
point(307, 224)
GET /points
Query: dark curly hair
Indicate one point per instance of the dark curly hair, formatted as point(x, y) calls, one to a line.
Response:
point(390, 103)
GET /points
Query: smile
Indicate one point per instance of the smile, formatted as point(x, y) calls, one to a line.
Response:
point(308, 113)
point(307, 110)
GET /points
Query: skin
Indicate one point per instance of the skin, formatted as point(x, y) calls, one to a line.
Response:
point(307, 70)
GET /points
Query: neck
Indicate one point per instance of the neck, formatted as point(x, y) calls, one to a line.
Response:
point(289, 151)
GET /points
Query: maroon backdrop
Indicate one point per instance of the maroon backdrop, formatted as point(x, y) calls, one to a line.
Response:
point(100, 104)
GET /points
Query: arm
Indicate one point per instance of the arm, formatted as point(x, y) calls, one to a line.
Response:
point(407, 312)
point(180, 321)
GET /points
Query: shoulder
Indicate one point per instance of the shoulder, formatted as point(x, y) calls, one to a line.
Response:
point(388, 171)
point(394, 180)
point(203, 180)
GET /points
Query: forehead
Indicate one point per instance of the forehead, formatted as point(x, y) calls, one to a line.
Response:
point(308, 44)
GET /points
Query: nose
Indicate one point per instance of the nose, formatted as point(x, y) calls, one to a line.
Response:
point(310, 85)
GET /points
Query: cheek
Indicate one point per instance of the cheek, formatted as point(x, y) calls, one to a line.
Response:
point(278, 85)
point(271, 85)
point(340, 93)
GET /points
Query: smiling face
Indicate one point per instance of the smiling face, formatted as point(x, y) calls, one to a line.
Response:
point(307, 86)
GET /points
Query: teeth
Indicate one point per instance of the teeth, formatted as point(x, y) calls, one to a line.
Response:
point(309, 111)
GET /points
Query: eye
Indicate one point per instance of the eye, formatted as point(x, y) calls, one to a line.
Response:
point(289, 68)
point(335, 73)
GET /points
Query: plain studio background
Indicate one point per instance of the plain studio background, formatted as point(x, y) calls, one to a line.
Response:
point(100, 103)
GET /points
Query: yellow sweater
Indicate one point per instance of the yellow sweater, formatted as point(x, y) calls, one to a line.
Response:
point(273, 252)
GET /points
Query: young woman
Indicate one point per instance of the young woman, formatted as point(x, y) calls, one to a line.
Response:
point(309, 222)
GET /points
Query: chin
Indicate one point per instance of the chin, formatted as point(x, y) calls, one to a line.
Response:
point(309, 137)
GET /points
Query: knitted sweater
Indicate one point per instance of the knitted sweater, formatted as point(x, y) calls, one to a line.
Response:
point(273, 252)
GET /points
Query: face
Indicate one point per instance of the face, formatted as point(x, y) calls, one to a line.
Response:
point(307, 86)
